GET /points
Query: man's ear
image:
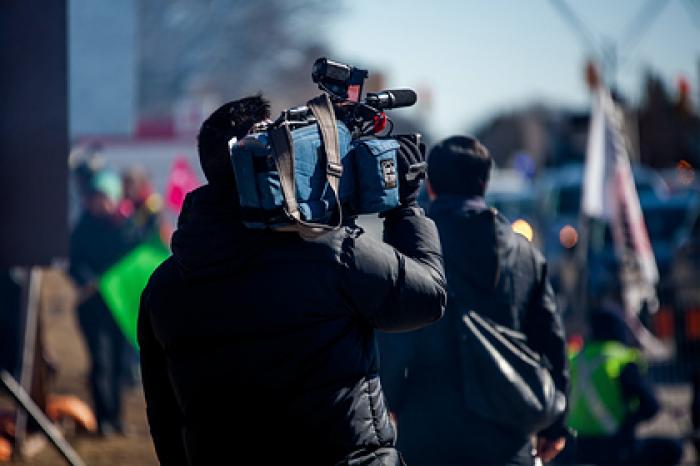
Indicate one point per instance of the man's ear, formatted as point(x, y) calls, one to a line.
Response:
point(429, 189)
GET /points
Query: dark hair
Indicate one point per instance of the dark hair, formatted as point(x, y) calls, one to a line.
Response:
point(233, 119)
point(459, 165)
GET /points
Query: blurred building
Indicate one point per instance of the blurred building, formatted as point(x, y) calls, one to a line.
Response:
point(102, 67)
point(156, 68)
point(669, 127)
point(662, 131)
point(548, 136)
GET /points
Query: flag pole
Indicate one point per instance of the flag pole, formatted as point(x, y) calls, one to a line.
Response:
point(584, 221)
point(582, 248)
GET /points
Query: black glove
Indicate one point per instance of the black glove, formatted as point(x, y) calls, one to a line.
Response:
point(411, 168)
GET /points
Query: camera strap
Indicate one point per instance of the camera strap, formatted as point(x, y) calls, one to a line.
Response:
point(283, 153)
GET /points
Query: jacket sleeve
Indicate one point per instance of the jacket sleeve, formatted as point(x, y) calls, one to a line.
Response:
point(399, 284)
point(161, 407)
point(545, 334)
point(636, 389)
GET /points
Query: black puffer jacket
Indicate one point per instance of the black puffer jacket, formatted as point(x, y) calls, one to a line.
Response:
point(488, 267)
point(258, 347)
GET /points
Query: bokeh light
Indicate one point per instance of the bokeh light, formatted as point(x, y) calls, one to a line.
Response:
point(522, 227)
point(568, 236)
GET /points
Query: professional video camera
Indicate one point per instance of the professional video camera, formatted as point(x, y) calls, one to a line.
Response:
point(333, 155)
point(344, 85)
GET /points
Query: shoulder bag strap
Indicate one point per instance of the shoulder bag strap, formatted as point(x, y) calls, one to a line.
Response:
point(283, 153)
point(322, 109)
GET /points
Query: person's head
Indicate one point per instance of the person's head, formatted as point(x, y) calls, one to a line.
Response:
point(233, 119)
point(103, 194)
point(85, 164)
point(459, 165)
point(137, 184)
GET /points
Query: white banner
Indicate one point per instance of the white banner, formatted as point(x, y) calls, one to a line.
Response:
point(609, 194)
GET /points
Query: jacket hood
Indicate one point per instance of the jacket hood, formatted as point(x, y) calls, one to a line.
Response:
point(477, 240)
point(210, 239)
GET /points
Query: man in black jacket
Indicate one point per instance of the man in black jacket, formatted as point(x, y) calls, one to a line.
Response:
point(500, 275)
point(258, 346)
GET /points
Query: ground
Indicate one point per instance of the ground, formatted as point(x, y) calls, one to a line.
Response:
point(674, 418)
point(67, 349)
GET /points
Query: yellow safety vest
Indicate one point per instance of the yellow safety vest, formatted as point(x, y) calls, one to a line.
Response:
point(597, 407)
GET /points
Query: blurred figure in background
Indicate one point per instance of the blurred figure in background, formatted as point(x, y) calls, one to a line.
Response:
point(500, 275)
point(97, 242)
point(84, 162)
point(141, 208)
point(141, 205)
point(610, 397)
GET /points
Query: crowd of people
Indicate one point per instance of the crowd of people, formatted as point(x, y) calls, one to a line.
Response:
point(251, 338)
point(262, 347)
point(117, 214)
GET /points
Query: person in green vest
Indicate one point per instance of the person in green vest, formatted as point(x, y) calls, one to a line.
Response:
point(610, 397)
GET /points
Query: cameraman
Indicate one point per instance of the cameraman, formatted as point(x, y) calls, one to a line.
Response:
point(258, 346)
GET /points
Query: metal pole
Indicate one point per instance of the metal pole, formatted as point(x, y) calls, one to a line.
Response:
point(582, 249)
point(30, 304)
point(27, 406)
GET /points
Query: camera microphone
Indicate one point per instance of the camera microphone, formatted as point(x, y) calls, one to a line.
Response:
point(393, 98)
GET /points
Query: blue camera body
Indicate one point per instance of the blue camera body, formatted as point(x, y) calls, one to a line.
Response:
point(368, 184)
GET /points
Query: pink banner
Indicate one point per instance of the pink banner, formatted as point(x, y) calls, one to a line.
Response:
point(183, 179)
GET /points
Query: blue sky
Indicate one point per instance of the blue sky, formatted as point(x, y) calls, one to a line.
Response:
point(481, 57)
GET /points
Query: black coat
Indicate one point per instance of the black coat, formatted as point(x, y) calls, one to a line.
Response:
point(421, 371)
point(258, 347)
point(96, 244)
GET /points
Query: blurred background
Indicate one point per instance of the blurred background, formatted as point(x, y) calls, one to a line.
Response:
point(136, 78)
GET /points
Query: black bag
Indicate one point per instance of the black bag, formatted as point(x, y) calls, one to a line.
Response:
point(505, 380)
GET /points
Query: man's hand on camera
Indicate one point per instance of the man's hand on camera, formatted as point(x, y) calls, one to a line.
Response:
point(411, 169)
point(547, 449)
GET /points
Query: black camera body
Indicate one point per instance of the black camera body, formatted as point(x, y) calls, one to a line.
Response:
point(339, 79)
point(344, 83)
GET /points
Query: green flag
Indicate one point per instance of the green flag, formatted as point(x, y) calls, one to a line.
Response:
point(122, 284)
